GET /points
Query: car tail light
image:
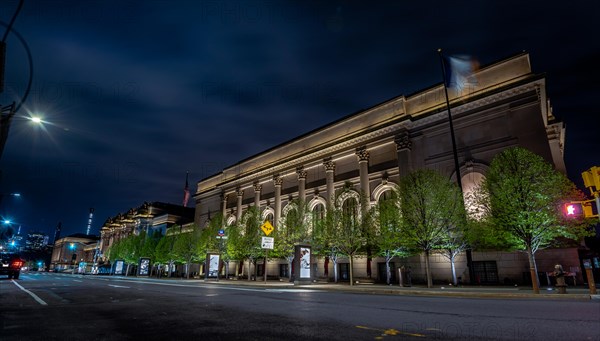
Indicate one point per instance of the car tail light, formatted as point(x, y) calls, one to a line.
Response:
point(16, 264)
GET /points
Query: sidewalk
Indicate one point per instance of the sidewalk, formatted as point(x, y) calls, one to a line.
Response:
point(573, 293)
point(499, 292)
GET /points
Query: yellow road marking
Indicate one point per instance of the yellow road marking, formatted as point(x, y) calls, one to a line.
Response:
point(390, 331)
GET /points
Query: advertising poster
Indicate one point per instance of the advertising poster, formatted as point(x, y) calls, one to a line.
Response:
point(213, 266)
point(304, 262)
point(119, 267)
point(144, 268)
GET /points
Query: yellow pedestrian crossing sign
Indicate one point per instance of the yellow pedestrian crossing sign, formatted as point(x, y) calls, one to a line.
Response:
point(267, 228)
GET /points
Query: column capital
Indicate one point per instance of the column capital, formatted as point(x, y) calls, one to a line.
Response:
point(239, 192)
point(329, 165)
point(362, 153)
point(257, 186)
point(278, 180)
point(403, 141)
point(301, 172)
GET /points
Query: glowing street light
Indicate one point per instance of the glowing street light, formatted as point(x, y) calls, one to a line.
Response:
point(36, 119)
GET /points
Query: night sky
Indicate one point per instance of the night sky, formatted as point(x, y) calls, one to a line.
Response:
point(136, 93)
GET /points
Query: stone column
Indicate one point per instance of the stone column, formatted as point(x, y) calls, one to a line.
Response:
point(301, 183)
point(329, 173)
point(257, 189)
point(363, 169)
point(224, 207)
point(365, 199)
point(278, 180)
point(238, 213)
point(403, 147)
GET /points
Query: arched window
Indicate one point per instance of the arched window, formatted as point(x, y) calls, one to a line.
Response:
point(387, 195)
point(388, 211)
point(318, 213)
point(470, 183)
point(350, 211)
point(269, 218)
point(291, 220)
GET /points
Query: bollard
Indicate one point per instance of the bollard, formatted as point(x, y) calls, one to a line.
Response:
point(560, 279)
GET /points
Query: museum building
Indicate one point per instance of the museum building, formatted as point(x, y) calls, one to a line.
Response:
point(503, 105)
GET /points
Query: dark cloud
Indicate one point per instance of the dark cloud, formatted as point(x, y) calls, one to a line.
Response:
point(139, 92)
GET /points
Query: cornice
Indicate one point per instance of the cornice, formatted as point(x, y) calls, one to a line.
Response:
point(407, 123)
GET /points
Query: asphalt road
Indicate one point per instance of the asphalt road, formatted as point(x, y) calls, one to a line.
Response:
point(48, 306)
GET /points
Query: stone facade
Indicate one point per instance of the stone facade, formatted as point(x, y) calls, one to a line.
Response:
point(69, 251)
point(149, 217)
point(371, 150)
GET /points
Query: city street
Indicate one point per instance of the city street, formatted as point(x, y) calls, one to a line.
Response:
point(53, 306)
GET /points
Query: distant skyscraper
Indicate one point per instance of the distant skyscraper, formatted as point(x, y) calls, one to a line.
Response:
point(89, 226)
point(57, 232)
point(36, 241)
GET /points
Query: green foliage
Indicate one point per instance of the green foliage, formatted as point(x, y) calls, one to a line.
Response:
point(210, 243)
point(430, 204)
point(522, 196)
point(346, 228)
point(293, 229)
point(432, 214)
point(164, 253)
point(187, 246)
point(149, 245)
point(387, 236)
point(244, 238)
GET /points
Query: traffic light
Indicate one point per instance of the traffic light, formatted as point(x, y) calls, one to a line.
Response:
point(591, 179)
point(573, 210)
point(580, 209)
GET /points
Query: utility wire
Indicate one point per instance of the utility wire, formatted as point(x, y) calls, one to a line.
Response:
point(12, 21)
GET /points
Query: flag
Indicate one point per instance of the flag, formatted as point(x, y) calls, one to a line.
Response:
point(186, 191)
point(459, 72)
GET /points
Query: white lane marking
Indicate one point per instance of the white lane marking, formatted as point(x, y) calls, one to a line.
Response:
point(292, 290)
point(118, 286)
point(75, 280)
point(271, 290)
point(211, 295)
point(35, 297)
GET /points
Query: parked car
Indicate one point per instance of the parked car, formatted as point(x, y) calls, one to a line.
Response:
point(10, 264)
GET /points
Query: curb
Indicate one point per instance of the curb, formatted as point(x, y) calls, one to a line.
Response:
point(383, 290)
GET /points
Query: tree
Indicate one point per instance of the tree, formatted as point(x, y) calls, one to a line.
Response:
point(150, 244)
point(430, 204)
point(291, 231)
point(388, 238)
point(164, 252)
point(187, 247)
point(347, 230)
point(325, 238)
point(522, 197)
point(455, 242)
point(129, 249)
point(210, 243)
point(244, 238)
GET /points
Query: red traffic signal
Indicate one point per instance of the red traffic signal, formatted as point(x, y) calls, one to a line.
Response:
point(573, 210)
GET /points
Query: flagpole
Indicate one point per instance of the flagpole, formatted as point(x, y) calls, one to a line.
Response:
point(186, 190)
point(454, 150)
point(455, 153)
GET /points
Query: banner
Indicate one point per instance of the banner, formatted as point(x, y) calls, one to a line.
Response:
point(213, 266)
point(304, 262)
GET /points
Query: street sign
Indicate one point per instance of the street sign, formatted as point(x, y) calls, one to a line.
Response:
point(267, 228)
point(267, 242)
point(221, 233)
